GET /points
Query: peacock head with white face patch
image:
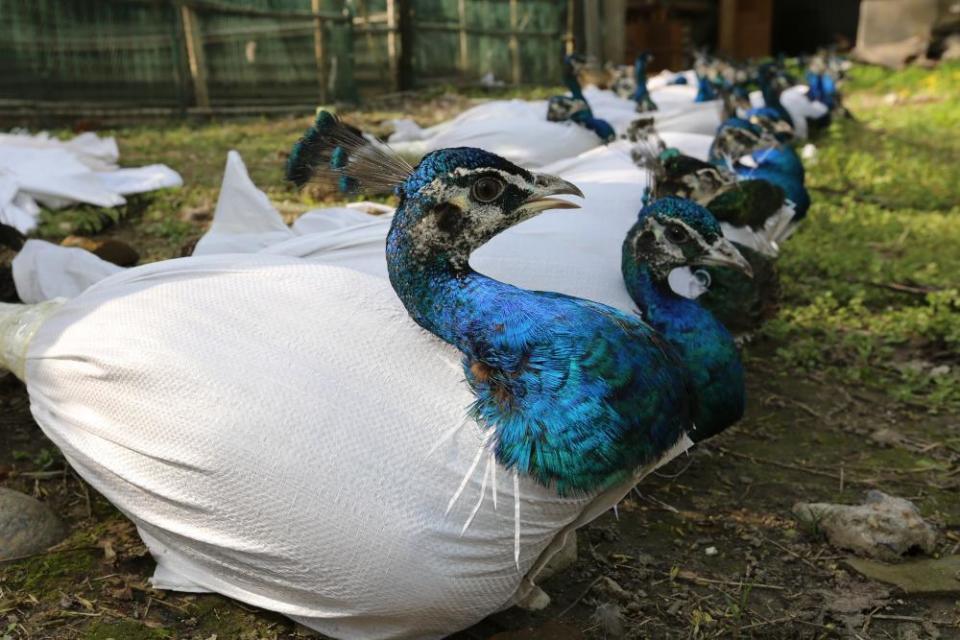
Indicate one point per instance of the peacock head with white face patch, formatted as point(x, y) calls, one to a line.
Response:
point(458, 199)
point(673, 232)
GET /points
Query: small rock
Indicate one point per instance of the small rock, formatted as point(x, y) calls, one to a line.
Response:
point(26, 525)
point(888, 437)
point(882, 527)
point(711, 551)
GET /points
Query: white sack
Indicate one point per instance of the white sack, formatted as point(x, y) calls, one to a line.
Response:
point(57, 174)
point(275, 428)
point(577, 252)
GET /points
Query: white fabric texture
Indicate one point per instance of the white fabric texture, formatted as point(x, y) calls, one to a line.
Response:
point(794, 99)
point(577, 252)
point(280, 432)
point(519, 131)
point(40, 169)
point(43, 271)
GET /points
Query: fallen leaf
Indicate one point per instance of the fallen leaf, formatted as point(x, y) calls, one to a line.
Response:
point(941, 575)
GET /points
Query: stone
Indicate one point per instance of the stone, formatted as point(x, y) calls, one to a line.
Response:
point(27, 525)
point(883, 527)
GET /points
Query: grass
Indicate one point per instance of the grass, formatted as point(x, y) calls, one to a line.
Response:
point(872, 281)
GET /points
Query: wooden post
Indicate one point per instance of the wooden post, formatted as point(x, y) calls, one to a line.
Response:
point(515, 42)
point(319, 51)
point(726, 40)
point(464, 52)
point(195, 55)
point(568, 38)
point(407, 37)
point(591, 29)
point(392, 56)
point(614, 31)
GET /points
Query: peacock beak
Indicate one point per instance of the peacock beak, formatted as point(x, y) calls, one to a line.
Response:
point(723, 254)
point(546, 186)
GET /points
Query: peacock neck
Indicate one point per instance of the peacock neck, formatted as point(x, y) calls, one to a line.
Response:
point(704, 345)
point(660, 306)
point(640, 71)
point(571, 82)
point(705, 90)
point(439, 289)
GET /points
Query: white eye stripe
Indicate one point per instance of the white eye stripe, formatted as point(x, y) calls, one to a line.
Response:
point(438, 188)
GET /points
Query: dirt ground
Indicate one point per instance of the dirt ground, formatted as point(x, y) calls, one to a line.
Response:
point(706, 548)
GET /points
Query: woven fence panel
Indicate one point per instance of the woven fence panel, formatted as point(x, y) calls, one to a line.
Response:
point(450, 45)
point(226, 53)
point(90, 50)
point(267, 59)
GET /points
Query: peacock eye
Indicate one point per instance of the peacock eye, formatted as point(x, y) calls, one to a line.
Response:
point(487, 189)
point(677, 234)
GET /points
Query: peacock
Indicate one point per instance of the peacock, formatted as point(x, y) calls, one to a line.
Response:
point(397, 438)
point(574, 107)
point(641, 94)
point(824, 73)
point(753, 213)
point(673, 232)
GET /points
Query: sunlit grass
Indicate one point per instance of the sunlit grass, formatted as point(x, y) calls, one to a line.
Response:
point(872, 282)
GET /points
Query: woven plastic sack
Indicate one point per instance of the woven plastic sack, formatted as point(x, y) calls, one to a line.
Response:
point(282, 433)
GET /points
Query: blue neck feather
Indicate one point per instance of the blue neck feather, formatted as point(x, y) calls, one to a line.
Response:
point(782, 167)
point(705, 90)
point(578, 394)
point(771, 99)
point(640, 75)
point(570, 80)
point(705, 346)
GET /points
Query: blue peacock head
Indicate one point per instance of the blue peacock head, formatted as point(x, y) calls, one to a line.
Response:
point(452, 202)
point(738, 137)
point(673, 232)
point(457, 199)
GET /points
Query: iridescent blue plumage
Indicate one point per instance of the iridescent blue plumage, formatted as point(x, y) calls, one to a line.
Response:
point(772, 108)
point(780, 166)
point(570, 80)
point(737, 137)
point(578, 394)
point(575, 107)
point(641, 95)
point(705, 346)
point(705, 89)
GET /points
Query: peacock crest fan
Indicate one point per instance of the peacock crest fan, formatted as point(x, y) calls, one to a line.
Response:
point(334, 153)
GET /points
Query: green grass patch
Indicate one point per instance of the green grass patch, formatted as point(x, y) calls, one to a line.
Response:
point(872, 280)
